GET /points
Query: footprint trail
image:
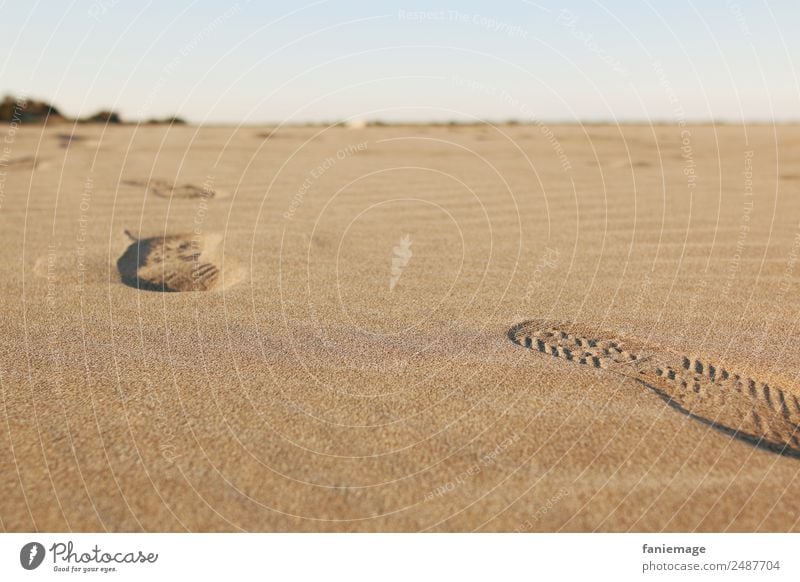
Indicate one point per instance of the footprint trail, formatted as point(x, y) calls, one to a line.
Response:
point(752, 411)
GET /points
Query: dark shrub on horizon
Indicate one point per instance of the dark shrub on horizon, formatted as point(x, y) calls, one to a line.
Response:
point(105, 116)
point(167, 121)
point(27, 110)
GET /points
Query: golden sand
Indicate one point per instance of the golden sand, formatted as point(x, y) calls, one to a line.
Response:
point(314, 329)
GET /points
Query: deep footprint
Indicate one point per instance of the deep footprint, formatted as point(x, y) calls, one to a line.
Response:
point(176, 263)
point(755, 412)
point(165, 189)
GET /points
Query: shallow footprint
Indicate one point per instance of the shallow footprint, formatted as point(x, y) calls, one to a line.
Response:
point(166, 189)
point(65, 140)
point(747, 409)
point(175, 263)
point(22, 162)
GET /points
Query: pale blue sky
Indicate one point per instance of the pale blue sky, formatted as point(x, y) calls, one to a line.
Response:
point(256, 62)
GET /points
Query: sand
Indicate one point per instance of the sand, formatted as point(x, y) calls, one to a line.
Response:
point(345, 329)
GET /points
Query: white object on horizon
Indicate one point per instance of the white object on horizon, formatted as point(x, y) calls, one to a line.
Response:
point(355, 123)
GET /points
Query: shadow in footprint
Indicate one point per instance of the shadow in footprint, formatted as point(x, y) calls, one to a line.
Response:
point(754, 412)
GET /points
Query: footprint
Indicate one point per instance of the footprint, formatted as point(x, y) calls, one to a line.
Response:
point(755, 412)
point(274, 134)
point(165, 189)
point(629, 163)
point(174, 263)
point(22, 162)
point(67, 139)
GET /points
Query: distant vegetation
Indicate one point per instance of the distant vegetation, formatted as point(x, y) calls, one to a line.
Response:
point(167, 121)
point(26, 111)
point(109, 117)
point(17, 110)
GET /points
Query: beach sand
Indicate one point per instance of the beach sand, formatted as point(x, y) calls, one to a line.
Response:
point(323, 329)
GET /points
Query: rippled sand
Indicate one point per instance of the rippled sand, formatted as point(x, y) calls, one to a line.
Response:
point(313, 329)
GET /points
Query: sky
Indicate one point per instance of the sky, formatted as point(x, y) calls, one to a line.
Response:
point(262, 62)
